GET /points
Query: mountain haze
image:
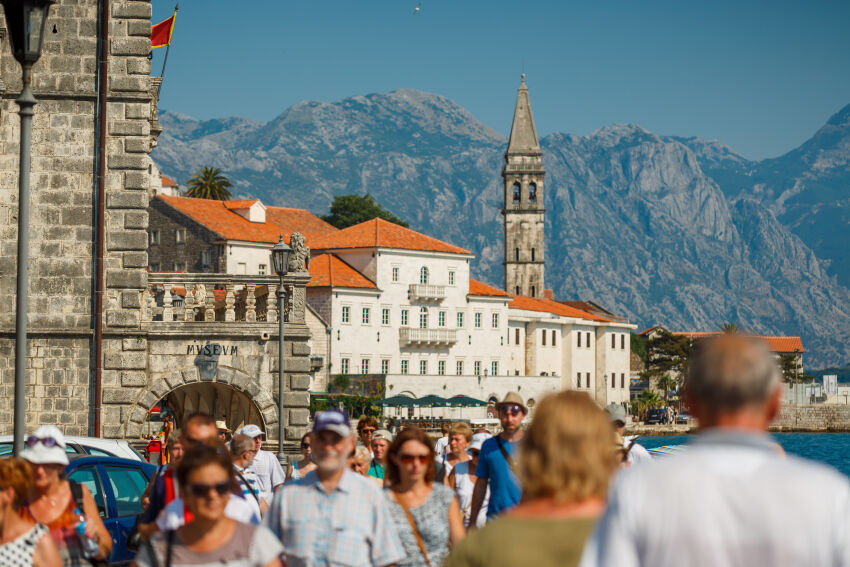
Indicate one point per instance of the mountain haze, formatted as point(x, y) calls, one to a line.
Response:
point(679, 231)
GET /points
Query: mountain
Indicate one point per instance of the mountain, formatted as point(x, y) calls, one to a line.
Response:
point(650, 226)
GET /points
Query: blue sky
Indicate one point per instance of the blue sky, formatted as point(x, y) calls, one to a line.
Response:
point(759, 76)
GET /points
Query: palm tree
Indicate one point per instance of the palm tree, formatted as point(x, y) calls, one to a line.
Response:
point(647, 400)
point(209, 183)
point(730, 328)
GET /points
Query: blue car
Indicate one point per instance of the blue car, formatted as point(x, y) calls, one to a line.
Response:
point(117, 486)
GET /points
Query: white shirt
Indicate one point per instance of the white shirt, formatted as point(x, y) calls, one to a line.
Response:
point(637, 454)
point(237, 508)
point(440, 446)
point(269, 473)
point(464, 488)
point(733, 500)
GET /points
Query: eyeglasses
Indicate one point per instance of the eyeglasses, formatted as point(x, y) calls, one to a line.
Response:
point(409, 459)
point(367, 430)
point(48, 442)
point(305, 445)
point(513, 410)
point(200, 490)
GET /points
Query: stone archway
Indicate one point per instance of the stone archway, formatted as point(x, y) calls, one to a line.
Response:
point(221, 401)
point(162, 385)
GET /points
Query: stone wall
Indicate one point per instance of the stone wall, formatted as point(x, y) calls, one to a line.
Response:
point(166, 220)
point(813, 418)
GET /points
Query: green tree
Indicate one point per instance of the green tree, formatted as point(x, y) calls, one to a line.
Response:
point(638, 346)
point(667, 357)
point(209, 183)
point(348, 210)
point(791, 372)
point(730, 328)
point(667, 383)
point(645, 401)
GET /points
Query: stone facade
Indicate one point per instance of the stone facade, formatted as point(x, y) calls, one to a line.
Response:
point(165, 253)
point(820, 417)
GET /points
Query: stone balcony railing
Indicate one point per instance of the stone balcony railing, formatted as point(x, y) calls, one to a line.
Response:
point(427, 292)
point(434, 337)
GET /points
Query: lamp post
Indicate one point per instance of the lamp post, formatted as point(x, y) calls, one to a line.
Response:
point(26, 20)
point(280, 259)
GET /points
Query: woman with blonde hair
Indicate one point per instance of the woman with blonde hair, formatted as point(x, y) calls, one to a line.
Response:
point(23, 543)
point(565, 464)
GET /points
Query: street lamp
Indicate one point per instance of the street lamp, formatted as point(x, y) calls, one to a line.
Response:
point(26, 20)
point(280, 259)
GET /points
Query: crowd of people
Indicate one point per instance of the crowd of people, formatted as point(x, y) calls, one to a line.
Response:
point(565, 489)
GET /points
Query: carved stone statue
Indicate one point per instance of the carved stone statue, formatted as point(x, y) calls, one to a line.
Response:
point(299, 258)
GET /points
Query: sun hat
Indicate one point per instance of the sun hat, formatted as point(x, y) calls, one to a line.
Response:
point(250, 430)
point(478, 441)
point(221, 425)
point(45, 446)
point(511, 399)
point(616, 412)
point(383, 434)
point(333, 420)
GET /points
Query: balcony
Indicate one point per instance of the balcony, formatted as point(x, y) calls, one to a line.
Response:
point(427, 292)
point(426, 337)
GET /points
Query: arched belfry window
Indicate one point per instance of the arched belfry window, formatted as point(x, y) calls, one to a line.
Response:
point(516, 192)
point(532, 192)
point(532, 254)
point(516, 254)
point(423, 275)
point(517, 292)
point(532, 292)
point(423, 318)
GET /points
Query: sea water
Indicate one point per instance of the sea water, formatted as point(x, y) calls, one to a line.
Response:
point(830, 448)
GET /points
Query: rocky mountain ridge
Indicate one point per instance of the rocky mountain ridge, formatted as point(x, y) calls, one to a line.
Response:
point(650, 226)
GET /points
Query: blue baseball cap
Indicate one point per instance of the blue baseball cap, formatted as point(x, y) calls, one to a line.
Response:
point(332, 420)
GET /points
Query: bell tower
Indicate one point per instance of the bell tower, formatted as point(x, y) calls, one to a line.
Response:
point(523, 211)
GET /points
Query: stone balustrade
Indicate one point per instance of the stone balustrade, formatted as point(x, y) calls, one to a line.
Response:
point(410, 336)
point(427, 291)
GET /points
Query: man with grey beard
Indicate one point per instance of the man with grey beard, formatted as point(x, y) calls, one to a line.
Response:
point(333, 516)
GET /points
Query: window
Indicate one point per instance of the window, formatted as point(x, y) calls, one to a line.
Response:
point(494, 368)
point(578, 335)
point(423, 367)
point(587, 379)
point(154, 266)
point(205, 258)
point(344, 365)
point(405, 364)
point(451, 277)
point(516, 257)
point(476, 368)
point(441, 367)
point(395, 273)
point(88, 477)
point(154, 238)
point(423, 318)
point(495, 321)
point(261, 269)
point(346, 314)
point(441, 319)
point(532, 292)
point(460, 319)
point(613, 340)
point(423, 275)
point(180, 236)
point(385, 316)
point(623, 342)
point(543, 332)
point(622, 380)
point(404, 317)
point(532, 192)
point(364, 366)
point(478, 320)
point(516, 195)
point(613, 380)
point(179, 266)
point(578, 379)
point(517, 290)
point(459, 368)
point(364, 318)
point(130, 484)
point(588, 339)
point(385, 366)
point(516, 336)
point(532, 254)
point(553, 338)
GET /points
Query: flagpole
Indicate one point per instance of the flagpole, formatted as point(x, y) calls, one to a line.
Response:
point(167, 49)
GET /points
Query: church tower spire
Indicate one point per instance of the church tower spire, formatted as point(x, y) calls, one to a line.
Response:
point(523, 211)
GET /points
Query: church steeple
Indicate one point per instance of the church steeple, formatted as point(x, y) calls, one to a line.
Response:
point(523, 210)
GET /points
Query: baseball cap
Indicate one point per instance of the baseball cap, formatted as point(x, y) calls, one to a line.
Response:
point(251, 431)
point(383, 434)
point(616, 412)
point(478, 441)
point(45, 446)
point(333, 420)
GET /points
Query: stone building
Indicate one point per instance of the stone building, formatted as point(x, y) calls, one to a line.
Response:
point(156, 337)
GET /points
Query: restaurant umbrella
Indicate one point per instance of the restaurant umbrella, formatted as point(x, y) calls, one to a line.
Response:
point(432, 401)
point(399, 400)
point(463, 401)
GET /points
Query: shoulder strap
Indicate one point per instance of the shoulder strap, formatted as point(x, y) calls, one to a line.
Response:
point(505, 454)
point(169, 545)
point(248, 486)
point(413, 527)
point(151, 552)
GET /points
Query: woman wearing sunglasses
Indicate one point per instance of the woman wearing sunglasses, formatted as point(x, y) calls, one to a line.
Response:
point(426, 514)
point(59, 504)
point(23, 543)
point(206, 478)
point(300, 469)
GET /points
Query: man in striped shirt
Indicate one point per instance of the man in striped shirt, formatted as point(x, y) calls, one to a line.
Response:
point(242, 452)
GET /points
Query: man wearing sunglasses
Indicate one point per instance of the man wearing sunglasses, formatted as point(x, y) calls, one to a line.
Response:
point(496, 461)
point(333, 516)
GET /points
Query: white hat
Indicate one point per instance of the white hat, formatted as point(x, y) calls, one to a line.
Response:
point(478, 440)
point(221, 425)
point(45, 446)
point(251, 431)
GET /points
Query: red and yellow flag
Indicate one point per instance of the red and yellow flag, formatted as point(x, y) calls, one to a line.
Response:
point(161, 32)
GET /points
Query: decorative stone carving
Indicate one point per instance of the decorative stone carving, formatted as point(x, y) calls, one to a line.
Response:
point(299, 259)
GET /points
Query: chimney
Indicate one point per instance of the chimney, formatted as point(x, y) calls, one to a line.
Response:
point(548, 294)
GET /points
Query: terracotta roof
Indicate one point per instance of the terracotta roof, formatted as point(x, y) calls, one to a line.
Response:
point(378, 233)
point(298, 220)
point(168, 182)
point(239, 203)
point(327, 270)
point(550, 306)
point(776, 344)
point(478, 288)
point(649, 330)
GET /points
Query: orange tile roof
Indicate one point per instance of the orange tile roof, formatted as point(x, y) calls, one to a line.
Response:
point(299, 220)
point(550, 306)
point(327, 270)
point(378, 233)
point(478, 288)
point(776, 344)
point(239, 203)
point(168, 182)
point(216, 216)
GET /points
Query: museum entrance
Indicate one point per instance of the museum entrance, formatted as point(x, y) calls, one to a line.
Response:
point(221, 401)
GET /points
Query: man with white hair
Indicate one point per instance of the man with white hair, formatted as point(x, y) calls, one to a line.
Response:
point(732, 498)
point(265, 465)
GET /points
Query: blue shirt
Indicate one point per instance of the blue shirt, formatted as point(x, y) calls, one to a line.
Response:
point(505, 491)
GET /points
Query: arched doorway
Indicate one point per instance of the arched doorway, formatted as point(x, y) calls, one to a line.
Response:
point(221, 401)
